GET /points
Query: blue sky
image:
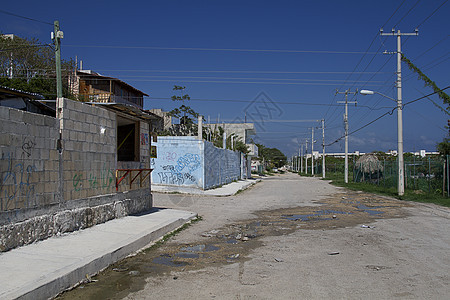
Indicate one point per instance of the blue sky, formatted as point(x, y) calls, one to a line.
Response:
point(217, 49)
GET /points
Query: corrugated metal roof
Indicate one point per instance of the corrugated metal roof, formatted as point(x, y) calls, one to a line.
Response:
point(128, 109)
point(7, 90)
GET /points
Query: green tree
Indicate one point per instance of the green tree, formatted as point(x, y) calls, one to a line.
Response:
point(28, 65)
point(272, 156)
point(184, 113)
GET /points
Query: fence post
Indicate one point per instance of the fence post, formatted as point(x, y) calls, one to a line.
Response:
point(406, 175)
point(414, 172)
point(429, 175)
point(443, 179)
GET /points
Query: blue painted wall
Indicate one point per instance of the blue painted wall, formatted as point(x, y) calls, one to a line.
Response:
point(186, 161)
point(179, 161)
point(221, 166)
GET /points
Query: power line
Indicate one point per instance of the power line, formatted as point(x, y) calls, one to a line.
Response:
point(425, 52)
point(25, 47)
point(426, 19)
point(235, 71)
point(277, 102)
point(231, 78)
point(361, 59)
point(385, 114)
point(407, 13)
point(217, 49)
point(19, 16)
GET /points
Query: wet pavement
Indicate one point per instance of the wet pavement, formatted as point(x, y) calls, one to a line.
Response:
point(232, 243)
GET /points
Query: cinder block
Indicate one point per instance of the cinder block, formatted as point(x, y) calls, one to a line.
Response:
point(4, 113)
point(5, 139)
point(49, 121)
point(89, 118)
point(73, 115)
point(16, 115)
point(54, 176)
point(69, 145)
point(54, 156)
point(93, 128)
point(79, 146)
point(68, 176)
point(77, 126)
point(73, 135)
point(81, 136)
point(32, 119)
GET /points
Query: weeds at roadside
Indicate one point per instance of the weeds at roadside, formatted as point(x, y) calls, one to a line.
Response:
point(410, 195)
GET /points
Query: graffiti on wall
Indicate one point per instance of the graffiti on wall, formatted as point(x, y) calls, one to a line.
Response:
point(181, 172)
point(170, 156)
point(144, 139)
point(95, 180)
point(189, 161)
point(15, 181)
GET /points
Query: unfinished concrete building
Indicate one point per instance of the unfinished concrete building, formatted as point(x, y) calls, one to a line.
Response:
point(86, 164)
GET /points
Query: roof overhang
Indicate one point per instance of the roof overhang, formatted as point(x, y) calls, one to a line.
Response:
point(127, 110)
point(93, 75)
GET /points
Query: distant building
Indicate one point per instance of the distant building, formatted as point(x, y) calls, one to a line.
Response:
point(165, 121)
point(89, 86)
point(241, 130)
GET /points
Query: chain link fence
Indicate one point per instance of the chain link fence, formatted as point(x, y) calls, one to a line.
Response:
point(424, 175)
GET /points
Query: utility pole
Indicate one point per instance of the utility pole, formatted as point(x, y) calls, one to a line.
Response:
point(301, 159)
point(346, 128)
point(312, 151)
point(306, 157)
point(57, 35)
point(401, 177)
point(323, 148)
point(200, 128)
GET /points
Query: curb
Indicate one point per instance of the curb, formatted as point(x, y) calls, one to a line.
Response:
point(53, 283)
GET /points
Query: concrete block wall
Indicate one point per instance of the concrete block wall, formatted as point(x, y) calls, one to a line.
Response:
point(222, 166)
point(29, 160)
point(187, 161)
point(179, 161)
point(44, 191)
point(89, 150)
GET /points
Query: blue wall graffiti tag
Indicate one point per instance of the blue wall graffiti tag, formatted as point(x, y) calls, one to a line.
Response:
point(16, 184)
point(189, 160)
point(174, 177)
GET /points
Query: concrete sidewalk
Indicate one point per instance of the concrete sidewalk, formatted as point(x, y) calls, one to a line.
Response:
point(223, 191)
point(46, 268)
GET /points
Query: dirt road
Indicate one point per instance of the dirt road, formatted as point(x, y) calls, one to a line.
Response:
point(290, 237)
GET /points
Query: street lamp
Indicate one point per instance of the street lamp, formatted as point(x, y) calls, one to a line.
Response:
point(401, 179)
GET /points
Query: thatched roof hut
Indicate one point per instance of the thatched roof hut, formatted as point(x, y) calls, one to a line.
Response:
point(369, 163)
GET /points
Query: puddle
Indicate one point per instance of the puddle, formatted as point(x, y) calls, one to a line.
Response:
point(370, 210)
point(168, 261)
point(232, 241)
point(315, 215)
point(330, 211)
point(299, 217)
point(187, 255)
point(200, 248)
